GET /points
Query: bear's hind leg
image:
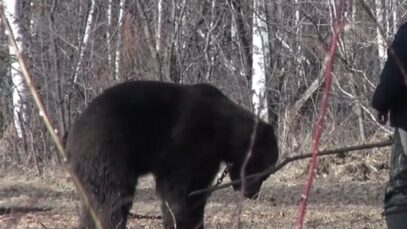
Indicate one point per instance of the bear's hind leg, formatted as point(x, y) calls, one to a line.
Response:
point(111, 190)
point(113, 202)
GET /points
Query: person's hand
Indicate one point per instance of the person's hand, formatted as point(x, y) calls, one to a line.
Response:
point(382, 117)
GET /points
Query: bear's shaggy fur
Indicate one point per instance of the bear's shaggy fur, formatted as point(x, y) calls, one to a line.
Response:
point(178, 133)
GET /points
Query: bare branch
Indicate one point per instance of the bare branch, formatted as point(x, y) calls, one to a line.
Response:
point(287, 160)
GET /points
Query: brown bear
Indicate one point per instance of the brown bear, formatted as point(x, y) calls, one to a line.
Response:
point(178, 133)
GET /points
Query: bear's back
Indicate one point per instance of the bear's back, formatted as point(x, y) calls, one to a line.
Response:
point(144, 115)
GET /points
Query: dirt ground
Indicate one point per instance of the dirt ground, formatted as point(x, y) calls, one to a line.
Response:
point(345, 196)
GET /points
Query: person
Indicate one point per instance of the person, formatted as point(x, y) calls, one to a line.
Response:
point(390, 96)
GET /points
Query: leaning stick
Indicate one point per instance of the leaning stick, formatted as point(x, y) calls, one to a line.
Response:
point(42, 111)
point(287, 160)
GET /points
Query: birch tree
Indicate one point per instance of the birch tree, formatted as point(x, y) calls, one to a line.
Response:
point(298, 50)
point(85, 40)
point(163, 10)
point(19, 88)
point(119, 40)
point(109, 34)
point(381, 40)
point(259, 74)
point(164, 33)
point(394, 16)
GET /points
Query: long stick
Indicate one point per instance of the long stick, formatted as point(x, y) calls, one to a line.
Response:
point(287, 160)
point(42, 111)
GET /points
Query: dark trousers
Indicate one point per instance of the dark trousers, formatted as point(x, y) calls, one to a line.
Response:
point(395, 202)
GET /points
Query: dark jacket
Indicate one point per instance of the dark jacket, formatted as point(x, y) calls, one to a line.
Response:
point(391, 93)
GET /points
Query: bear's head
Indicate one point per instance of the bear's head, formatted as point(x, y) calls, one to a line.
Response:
point(263, 155)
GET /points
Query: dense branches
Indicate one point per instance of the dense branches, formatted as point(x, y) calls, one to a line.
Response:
point(77, 48)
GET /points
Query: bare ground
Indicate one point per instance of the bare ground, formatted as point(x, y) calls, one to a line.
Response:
point(347, 196)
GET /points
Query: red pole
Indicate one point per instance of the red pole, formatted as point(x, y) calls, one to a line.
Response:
point(320, 122)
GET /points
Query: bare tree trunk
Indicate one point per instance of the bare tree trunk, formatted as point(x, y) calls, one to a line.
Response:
point(297, 48)
point(175, 44)
point(259, 46)
point(150, 39)
point(165, 32)
point(109, 42)
point(60, 105)
point(355, 94)
point(381, 41)
point(209, 58)
point(273, 82)
point(19, 87)
point(241, 18)
point(394, 16)
point(85, 40)
point(163, 24)
point(119, 41)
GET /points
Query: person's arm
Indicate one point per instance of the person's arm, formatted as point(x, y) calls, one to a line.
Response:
point(391, 78)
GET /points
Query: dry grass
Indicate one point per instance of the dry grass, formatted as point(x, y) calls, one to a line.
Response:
point(345, 195)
